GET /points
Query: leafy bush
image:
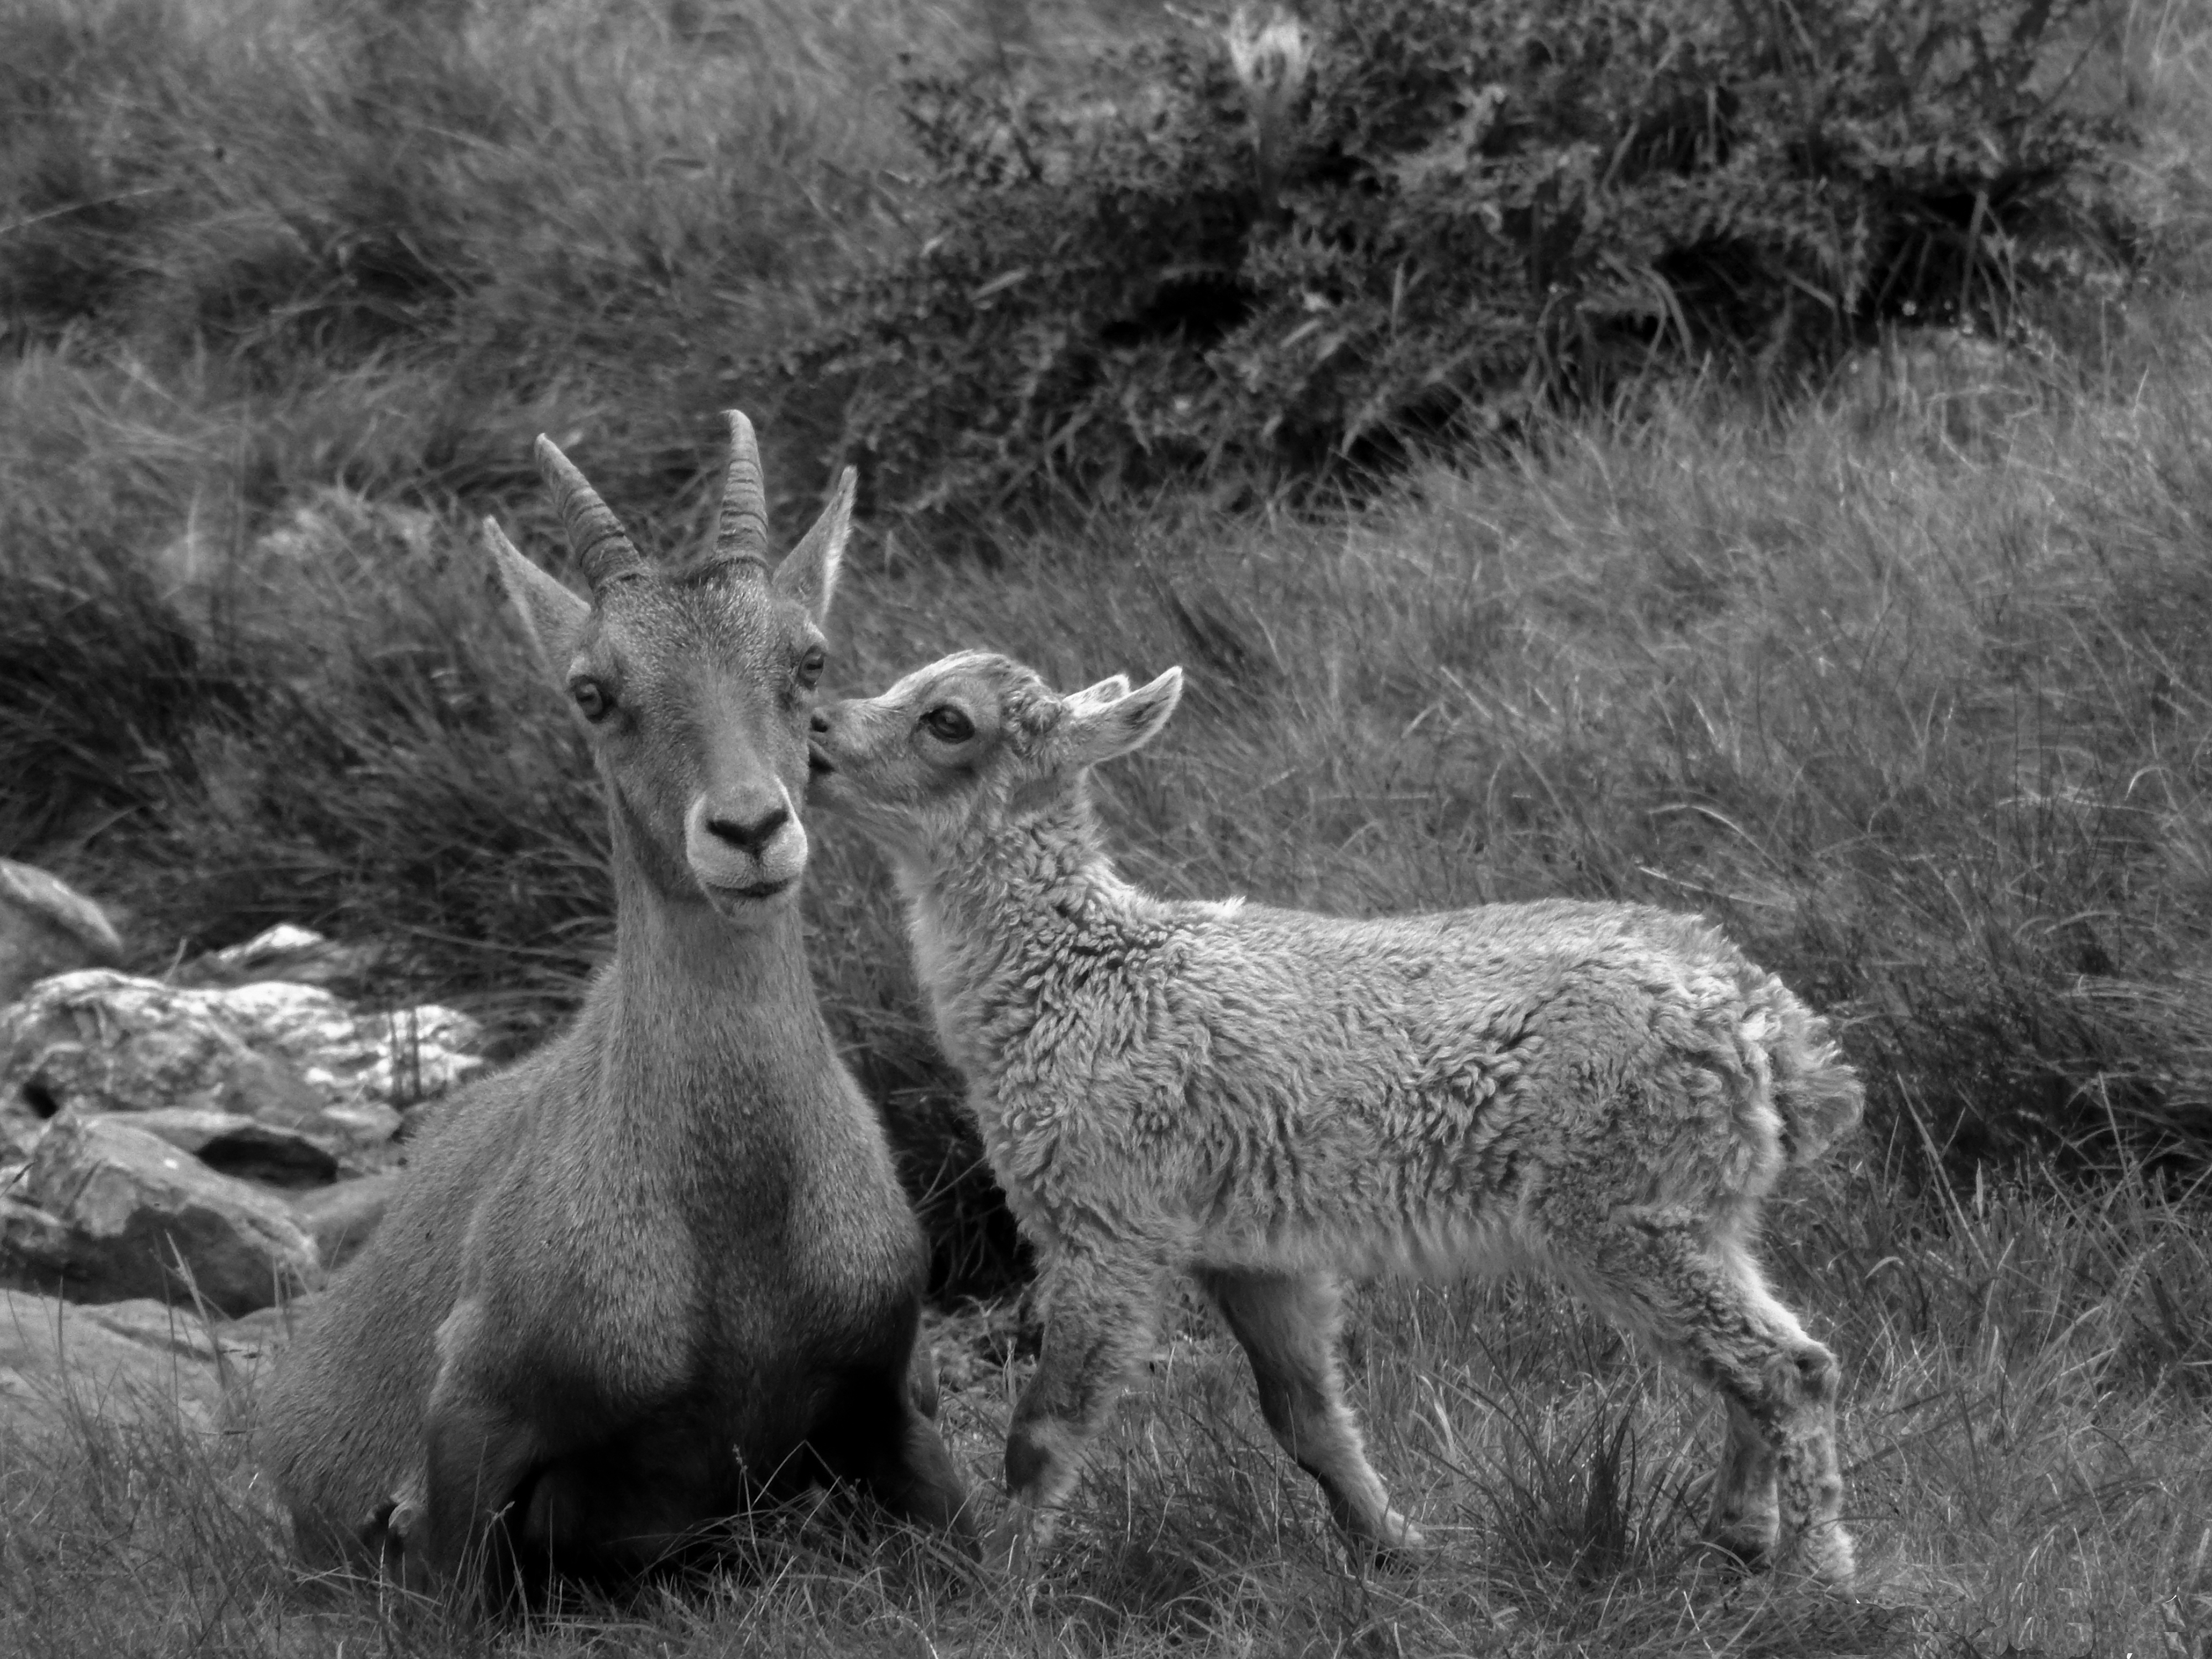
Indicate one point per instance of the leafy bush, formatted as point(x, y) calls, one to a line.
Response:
point(1427, 216)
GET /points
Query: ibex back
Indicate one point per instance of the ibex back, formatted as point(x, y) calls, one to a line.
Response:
point(662, 1265)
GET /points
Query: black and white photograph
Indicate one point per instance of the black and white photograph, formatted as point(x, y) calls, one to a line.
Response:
point(1106, 829)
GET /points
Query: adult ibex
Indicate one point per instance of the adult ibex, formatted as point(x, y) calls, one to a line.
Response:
point(662, 1267)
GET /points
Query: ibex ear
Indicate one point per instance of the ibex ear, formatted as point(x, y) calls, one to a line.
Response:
point(808, 574)
point(551, 614)
point(1098, 731)
point(1110, 689)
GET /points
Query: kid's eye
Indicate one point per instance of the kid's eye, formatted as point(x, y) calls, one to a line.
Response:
point(594, 699)
point(949, 725)
point(810, 668)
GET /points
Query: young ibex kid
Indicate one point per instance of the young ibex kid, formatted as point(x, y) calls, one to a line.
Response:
point(662, 1265)
point(1270, 1101)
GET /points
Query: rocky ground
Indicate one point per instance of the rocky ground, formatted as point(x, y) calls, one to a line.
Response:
point(184, 1159)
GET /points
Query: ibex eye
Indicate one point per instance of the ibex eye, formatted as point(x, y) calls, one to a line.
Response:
point(810, 668)
point(949, 723)
point(594, 699)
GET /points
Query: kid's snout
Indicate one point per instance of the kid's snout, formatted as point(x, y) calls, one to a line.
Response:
point(818, 762)
point(837, 751)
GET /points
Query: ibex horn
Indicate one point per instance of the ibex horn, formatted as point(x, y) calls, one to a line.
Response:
point(741, 528)
point(601, 547)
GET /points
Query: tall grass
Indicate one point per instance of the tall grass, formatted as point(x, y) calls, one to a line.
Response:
point(2024, 1438)
point(1922, 722)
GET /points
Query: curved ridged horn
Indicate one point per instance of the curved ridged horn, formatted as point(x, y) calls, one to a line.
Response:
point(741, 527)
point(602, 549)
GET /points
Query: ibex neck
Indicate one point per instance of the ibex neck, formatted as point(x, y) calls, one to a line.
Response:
point(695, 1003)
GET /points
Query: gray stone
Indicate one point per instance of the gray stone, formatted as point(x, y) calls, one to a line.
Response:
point(258, 1336)
point(297, 956)
point(340, 1219)
point(34, 1247)
point(47, 927)
point(294, 1055)
point(103, 1041)
point(243, 1147)
point(58, 1361)
point(391, 1058)
point(131, 1207)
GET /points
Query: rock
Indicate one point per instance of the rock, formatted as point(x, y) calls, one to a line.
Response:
point(131, 1206)
point(294, 1055)
point(297, 956)
point(46, 927)
point(34, 1247)
point(391, 1059)
point(340, 1219)
point(102, 1042)
point(243, 1147)
point(259, 1334)
point(132, 1359)
point(168, 1329)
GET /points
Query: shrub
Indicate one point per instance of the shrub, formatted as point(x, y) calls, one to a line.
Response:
point(1428, 215)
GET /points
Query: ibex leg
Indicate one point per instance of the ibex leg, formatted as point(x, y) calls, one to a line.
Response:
point(1099, 1318)
point(876, 1434)
point(1700, 1301)
point(1288, 1325)
point(479, 1456)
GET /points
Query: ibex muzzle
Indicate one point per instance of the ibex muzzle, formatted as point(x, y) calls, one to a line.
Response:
point(742, 836)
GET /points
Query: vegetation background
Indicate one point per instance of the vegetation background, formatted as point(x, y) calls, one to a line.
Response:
point(1892, 650)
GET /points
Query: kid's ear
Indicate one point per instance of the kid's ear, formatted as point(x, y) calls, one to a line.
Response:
point(1098, 731)
point(551, 614)
point(808, 574)
point(1107, 691)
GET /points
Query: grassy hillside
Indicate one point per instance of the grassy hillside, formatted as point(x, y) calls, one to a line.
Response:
point(2024, 1445)
point(1908, 683)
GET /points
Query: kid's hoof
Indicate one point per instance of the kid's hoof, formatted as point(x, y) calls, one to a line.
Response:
point(1406, 1539)
point(1824, 1552)
point(1397, 1546)
point(1747, 1541)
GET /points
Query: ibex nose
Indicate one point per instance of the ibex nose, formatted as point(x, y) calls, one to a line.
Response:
point(749, 838)
point(817, 722)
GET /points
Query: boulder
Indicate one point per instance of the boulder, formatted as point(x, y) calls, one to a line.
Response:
point(102, 1042)
point(130, 1206)
point(294, 1055)
point(391, 1060)
point(340, 1219)
point(46, 927)
point(34, 1246)
point(243, 1147)
point(297, 956)
point(131, 1359)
